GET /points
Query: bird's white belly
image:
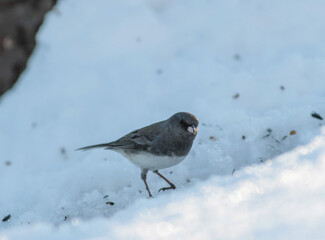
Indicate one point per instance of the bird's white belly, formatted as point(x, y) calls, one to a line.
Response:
point(153, 162)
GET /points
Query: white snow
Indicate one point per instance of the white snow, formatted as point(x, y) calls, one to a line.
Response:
point(251, 71)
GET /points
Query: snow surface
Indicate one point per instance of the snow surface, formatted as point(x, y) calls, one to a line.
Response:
point(251, 71)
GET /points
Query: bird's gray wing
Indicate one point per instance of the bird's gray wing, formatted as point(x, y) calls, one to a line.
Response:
point(138, 140)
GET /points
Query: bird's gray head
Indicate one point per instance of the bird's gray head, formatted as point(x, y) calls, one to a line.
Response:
point(184, 123)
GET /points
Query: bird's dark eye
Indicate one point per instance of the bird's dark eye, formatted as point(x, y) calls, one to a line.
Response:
point(184, 124)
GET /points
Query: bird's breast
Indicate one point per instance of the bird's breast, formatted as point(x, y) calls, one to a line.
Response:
point(153, 162)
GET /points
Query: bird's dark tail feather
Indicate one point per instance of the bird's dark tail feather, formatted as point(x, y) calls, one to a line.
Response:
point(94, 146)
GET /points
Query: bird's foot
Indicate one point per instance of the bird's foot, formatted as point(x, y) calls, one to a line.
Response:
point(167, 188)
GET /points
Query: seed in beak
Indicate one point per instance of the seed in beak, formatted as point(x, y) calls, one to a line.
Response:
point(191, 129)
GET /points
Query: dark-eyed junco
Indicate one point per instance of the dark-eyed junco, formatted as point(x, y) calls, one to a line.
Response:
point(157, 146)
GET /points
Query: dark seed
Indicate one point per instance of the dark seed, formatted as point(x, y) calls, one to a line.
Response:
point(269, 130)
point(6, 218)
point(267, 135)
point(237, 57)
point(110, 203)
point(235, 96)
point(158, 71)
point(106, 196)
point(276, 140)
point(212, 138)
point(63, 151)
point(316, 115)
point(243, 137)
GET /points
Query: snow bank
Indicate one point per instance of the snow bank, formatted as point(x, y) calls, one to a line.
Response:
point(281, 199)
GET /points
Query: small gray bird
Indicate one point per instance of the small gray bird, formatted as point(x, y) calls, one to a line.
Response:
point(157, 146)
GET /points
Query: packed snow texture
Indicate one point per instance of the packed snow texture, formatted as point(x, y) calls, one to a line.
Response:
point(251, 71)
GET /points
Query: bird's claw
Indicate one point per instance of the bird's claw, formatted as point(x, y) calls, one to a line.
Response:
point(166, 188)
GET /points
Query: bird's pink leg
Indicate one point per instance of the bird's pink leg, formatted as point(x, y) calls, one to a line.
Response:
point(172, 186)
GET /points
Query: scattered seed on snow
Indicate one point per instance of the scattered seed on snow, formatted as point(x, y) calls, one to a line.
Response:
point(316, 115)
point(6, 218)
